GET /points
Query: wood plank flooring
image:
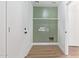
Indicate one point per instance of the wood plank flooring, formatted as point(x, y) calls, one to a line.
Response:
point(44, 51)
point(51, 51)
point(74, 51)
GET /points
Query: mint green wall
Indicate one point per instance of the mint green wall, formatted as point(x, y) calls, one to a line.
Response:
point(40, 11)
point(52, 25)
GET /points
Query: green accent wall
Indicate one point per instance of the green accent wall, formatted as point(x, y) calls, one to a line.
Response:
point(50, 24)
point(45, 12)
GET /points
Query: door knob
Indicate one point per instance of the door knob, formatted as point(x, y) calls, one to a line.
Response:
point(8, 29)
point(25, 32)
point(24, 28)
point(65, 31)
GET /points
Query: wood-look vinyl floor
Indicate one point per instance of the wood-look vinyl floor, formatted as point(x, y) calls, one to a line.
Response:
point(44, 51)
point(51, 51)
point(74, 51)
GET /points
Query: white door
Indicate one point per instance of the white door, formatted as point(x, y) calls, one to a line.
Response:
point(14, 29)
point(19, 21)
point(62, 27)
point(67, 27)
point(2, 29)
point(27, 27)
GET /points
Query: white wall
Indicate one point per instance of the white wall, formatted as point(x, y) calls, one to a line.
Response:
point(19, 15)
point(28, 24)
point(74, 23)
point(2, 29)
point(62, 28)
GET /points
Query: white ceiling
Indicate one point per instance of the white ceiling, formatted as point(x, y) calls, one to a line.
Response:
point(45, 3)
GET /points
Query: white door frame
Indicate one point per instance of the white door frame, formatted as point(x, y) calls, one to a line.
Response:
point(67, 25)
point(63, 26)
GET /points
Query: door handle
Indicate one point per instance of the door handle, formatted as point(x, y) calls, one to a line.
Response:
point(65, 31)
point(8, 29)
point(25, 32)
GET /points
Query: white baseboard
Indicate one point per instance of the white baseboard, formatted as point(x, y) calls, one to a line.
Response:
point(73, 45)
point(2, 56)
point(54, 43)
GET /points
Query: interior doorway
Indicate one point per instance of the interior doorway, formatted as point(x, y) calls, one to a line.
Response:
point(49, 29)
